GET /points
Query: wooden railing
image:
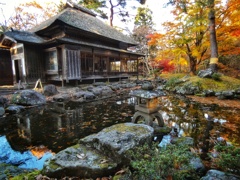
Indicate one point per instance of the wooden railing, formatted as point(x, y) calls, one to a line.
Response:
point(107, 74)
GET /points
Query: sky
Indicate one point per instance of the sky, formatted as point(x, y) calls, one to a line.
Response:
point(159, 15)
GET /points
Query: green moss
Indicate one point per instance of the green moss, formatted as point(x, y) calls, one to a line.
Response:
point(105, 165)
point(126, 128)
point(76, 146)
point(53, 165)
point(31, 175)
point(226, 83)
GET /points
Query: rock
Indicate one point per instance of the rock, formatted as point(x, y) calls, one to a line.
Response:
point(80, 161)
point(89, 96)
point(3, 101)
point(147, 86)
point(50, 90)
point(100, 154)
point(215, 174)
point(225, 95)
point(2, 111)
point(62, 97)
point(115, 87)
point(207, 73)
point(106, 91)
point(116, 140)
point(97, 91)
point(208, 93)
point(237, 91)
point(84, 94)
point(182, 141)
point(197, 165)
point(14, 109)
point(8, 171)
point(188, 89)
point(28, 98)
point(99, 84)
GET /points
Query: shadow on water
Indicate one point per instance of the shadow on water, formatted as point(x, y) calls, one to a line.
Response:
point(54, 127)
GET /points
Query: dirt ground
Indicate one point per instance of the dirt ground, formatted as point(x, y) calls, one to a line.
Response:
point(233, 103)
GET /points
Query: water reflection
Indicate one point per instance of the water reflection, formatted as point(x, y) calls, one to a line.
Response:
point(57, 126)
point(189, 118)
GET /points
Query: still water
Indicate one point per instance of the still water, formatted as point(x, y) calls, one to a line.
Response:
point(48, 129)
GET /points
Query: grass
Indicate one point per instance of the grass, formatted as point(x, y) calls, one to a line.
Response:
point(225, 83)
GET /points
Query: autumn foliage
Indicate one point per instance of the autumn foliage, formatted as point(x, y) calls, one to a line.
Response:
point(165, 65)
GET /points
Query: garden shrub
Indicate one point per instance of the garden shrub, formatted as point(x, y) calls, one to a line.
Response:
point(228, 159)
point(216, 76)
point(170, 162)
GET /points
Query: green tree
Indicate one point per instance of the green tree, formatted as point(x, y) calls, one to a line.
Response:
point(143, 17)
point(143, 26)
point(116, 7)
point(97, 6)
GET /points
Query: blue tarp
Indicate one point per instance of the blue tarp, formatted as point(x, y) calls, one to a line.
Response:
point(24, 160)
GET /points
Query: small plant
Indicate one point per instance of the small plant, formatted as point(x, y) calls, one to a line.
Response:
point(172, 82)
point(170, 162)
point(216, 76)
point(199, 85)
point(228, 159)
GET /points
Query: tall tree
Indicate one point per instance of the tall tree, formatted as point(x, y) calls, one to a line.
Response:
point(116, 7)
point(213, 38)
point(187, 32)
point(228, 28)
point(143, 26)
point(25, 19)
point(97, 6)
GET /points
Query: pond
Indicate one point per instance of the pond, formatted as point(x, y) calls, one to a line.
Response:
point(41, 131)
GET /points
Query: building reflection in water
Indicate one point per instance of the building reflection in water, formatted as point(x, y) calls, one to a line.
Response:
point(57, 126)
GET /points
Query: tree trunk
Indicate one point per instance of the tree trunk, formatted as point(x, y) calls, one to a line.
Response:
point(193, 68)
point(213, 38)
point(111, 13)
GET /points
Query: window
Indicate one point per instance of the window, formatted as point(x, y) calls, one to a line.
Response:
point(51, 60)
point(132, 65)
point(86, 62)
point(115, 65)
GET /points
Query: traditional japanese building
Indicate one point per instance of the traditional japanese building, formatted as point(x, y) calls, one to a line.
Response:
point(74, 45)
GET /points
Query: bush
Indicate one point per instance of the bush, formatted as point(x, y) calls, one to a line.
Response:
point(228, 159)
point(170, 162)
point(216, 76)
point(172, 82)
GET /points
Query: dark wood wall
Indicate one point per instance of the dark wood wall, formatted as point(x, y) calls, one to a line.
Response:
point(6, 75)
point(35, 65)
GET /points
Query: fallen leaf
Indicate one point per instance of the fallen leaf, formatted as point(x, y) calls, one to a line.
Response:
point(120, 172)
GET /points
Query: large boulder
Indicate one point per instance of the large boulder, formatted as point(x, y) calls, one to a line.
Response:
point(117, 140)
point(50, 90)
point(100, 154)
point(28, 98)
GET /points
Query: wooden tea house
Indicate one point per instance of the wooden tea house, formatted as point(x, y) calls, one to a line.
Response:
point(74, 45)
